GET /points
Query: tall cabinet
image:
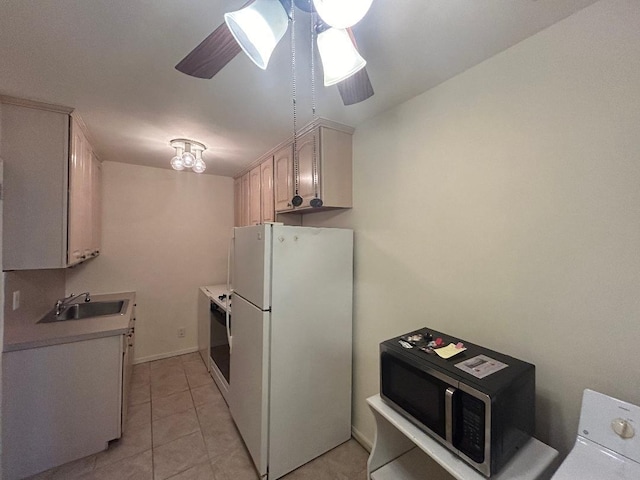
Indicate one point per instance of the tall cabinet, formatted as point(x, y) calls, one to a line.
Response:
point(52, 197)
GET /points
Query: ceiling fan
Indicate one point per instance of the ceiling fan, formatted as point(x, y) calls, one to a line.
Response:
point(260, 24)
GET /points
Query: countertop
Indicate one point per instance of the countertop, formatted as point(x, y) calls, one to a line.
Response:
point(216, 291)
point(23, 335)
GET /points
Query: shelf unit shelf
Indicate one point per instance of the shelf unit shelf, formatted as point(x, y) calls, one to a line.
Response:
point(401, 451)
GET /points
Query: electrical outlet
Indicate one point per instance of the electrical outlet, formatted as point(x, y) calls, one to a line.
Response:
point(181, 332)
point(16, 299)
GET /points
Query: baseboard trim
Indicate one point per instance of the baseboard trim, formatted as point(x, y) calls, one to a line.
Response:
point(361, 439)
point(160, 356)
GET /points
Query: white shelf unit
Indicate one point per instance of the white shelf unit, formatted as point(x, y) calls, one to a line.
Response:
point(401, 451)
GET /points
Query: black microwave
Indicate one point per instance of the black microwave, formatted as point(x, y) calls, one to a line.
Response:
point(479, 403)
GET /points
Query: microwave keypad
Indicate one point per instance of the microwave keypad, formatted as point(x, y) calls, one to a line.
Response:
point(472, 438)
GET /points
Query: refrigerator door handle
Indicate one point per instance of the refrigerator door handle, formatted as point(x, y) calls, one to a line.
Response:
point(230, 253)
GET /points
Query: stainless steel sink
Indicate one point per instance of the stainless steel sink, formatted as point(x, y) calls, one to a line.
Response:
point(78, 311)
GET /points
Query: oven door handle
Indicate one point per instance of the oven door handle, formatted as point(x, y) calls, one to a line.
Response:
point(448, 414)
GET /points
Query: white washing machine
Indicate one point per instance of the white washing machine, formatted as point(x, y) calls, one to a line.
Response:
point(608, 442)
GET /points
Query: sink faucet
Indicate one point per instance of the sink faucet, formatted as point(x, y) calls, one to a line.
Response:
point(60, 304)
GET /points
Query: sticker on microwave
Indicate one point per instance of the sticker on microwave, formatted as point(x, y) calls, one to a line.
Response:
point(481, 366)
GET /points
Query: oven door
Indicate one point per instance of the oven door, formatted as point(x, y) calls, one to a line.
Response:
point(219, 349)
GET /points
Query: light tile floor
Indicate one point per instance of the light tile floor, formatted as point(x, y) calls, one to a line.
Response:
point(179, 428)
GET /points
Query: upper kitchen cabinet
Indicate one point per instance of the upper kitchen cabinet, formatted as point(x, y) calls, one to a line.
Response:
point(324, 172)
point(324, 169)
point(253, 193)
point(52, 187)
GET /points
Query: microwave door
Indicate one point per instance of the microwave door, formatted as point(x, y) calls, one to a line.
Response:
point(416, 391)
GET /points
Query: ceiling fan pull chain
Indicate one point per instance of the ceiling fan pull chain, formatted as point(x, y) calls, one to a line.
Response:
point(315, 202)
point(296, 201)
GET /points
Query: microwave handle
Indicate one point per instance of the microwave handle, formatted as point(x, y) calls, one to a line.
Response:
point(448, 414)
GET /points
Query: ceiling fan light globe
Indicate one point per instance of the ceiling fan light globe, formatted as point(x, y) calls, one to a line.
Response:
point(340, 59)
point(258, 28)
point(176, 163)
point(199, 166)
point(188, 159)
point(342, 13)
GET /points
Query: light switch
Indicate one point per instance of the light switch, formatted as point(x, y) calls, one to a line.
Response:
point(16, 299)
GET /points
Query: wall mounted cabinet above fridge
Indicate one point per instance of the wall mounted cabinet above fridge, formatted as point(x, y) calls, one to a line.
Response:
point(52, 187)
point(324, 172)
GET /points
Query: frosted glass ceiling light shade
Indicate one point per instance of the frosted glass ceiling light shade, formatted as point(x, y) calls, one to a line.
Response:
point(340, 59)
point(258, 28)
point(188, 159)
point(176, 163)
point(184, 157)
point(199, 166)
point(342, 13)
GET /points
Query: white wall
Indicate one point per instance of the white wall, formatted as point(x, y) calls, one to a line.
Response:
point(503, 207)
point(165, 233)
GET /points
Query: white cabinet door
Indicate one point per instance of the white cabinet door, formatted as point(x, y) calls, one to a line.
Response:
point(35, 151)
point(308, 166)
point(238, 202)
point(283, 175)
point(96, 203)
point(76, 201)
point(249, 388)
point(83, 174)
point(255, 197)
point(61, 403)
point(266, 187)
point(246, 185)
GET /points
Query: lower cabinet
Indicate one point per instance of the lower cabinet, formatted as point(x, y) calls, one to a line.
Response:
point(62, 402)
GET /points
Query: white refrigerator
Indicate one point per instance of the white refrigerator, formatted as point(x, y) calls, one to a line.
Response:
point(291, 349)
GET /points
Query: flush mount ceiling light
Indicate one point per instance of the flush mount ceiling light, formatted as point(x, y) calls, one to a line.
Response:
point(342, 13)
point(188, 155)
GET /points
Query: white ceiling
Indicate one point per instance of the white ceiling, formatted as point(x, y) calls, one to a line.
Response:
point(113, 61)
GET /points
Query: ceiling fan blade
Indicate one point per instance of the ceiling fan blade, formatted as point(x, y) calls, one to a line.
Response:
point(213, 53)
point(357, 88)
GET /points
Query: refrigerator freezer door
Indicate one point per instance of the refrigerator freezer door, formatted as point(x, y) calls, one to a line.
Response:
point(252, 265)
point(249, 389)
